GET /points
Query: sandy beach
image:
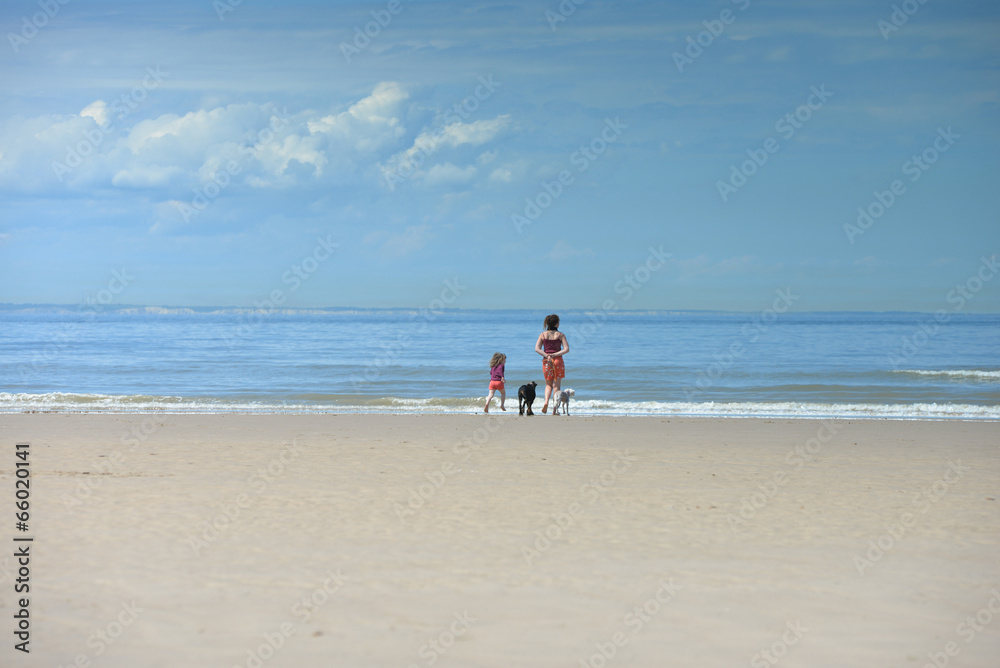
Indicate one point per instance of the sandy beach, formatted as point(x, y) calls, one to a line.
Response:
point(382, 540)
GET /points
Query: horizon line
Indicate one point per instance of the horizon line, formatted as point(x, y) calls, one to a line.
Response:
point(118, 307)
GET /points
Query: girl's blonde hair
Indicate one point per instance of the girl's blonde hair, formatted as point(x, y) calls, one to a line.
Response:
point(497, 359)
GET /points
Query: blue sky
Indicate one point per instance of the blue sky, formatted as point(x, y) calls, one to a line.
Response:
point(216, 153)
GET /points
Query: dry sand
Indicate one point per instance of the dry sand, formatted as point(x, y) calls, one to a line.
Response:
point(356, 541)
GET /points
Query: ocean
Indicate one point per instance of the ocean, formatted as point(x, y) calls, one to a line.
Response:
point(771, 363)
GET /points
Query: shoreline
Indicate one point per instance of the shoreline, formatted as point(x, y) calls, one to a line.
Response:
point(496, 413)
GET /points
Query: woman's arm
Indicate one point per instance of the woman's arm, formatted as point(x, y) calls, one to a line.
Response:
point(565, 346)
point(538, 346)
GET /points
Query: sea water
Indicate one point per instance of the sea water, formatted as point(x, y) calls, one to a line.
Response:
point(421, 361)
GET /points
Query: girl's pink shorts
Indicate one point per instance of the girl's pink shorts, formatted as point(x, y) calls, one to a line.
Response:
point(496, 384)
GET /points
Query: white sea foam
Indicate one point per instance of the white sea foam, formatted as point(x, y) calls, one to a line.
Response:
point(979, 374)
point(788, 409)
point(102, 403)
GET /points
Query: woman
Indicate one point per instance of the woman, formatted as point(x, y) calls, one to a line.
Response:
point(552, 345)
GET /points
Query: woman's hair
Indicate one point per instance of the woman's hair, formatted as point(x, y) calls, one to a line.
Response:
point(552, 322)
point(497, 359)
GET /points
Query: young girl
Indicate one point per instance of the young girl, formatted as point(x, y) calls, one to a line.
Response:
point(496, 380)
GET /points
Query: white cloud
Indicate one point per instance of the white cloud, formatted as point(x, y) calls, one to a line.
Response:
point(262, 147)
point(430, 142)
point(276, 156)
point(501, 175)
point(146, 176)
point(98, 111)
point(369, 124)
point(510, 171)
point(447, 173)
point(174, 153)
point(192, 135)
point(476, 133)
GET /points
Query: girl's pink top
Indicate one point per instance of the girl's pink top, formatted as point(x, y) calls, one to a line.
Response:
point(496, 373)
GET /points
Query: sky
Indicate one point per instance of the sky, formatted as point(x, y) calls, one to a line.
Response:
point(582, 154)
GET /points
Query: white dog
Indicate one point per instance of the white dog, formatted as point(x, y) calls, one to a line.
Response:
point(562, 397)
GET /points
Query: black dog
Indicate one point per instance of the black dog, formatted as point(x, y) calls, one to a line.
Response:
point(526, 397)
